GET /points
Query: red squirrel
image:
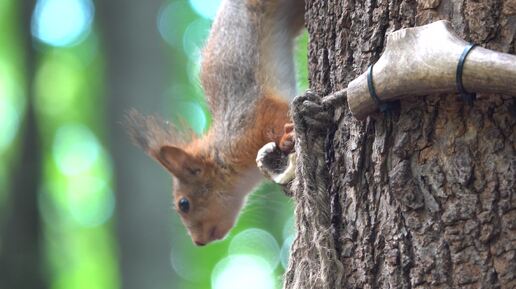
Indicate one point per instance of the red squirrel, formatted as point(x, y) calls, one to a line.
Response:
point(247, 73)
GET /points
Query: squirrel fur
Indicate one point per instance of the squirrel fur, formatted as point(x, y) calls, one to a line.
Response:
point(247, 73)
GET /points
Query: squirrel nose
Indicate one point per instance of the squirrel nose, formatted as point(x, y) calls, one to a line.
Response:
point(199, 243)
point(211, 235)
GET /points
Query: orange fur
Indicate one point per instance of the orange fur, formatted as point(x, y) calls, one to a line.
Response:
point(269, 118)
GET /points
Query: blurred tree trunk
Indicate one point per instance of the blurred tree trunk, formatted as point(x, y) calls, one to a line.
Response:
point(20, 243)
point(422, 198)
point(136, 77)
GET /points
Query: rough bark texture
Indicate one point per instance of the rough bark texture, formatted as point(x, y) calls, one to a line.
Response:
point(421, 198)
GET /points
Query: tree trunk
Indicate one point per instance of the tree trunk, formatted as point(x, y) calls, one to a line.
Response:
point(136, 74)
point(423, 197)
point(20, 238)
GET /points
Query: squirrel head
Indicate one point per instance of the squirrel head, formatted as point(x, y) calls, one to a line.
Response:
point(207, 198)
point(204, 198)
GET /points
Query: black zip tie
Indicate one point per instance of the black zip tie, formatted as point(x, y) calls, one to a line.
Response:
point(466, 96)
point(383, 106)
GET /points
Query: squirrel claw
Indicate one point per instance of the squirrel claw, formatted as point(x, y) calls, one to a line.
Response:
point(311, 109)
point(308, 96)
point(287, 141)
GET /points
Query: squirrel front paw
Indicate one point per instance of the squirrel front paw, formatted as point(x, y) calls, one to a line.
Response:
point(275, 164)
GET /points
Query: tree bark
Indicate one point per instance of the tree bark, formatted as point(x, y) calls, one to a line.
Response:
point(423, 197)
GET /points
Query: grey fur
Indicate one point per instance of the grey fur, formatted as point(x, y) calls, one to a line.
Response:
point(249, 51)
point(240, 60)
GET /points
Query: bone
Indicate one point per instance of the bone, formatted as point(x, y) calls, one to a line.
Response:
point(423, 60)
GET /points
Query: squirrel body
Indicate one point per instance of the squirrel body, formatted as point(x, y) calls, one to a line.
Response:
point(247, 73)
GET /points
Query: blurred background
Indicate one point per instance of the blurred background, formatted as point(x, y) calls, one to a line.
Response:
point(80, 207)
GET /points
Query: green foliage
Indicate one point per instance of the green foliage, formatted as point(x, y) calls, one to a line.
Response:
point(76, 198)
point(12, 92)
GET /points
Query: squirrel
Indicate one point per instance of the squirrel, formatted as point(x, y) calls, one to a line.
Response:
point(247, 73)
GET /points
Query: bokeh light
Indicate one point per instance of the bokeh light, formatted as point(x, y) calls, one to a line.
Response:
point(188, 109)
point(256, 242)
point(188, 262)
point(62, 68)
point(285, 251)
point(193, 113)
point(173, 18)
point(90, 201)
point(75, 149)
point(9, 120)
point(242, 272)
point(289, 228)
point(206, 9)
point(194, 37)
point(78, 201)
point(62, 22)
point(79, 255)
point(193, 69)
point(12, 103)
point(289, 231)
point(80, 188)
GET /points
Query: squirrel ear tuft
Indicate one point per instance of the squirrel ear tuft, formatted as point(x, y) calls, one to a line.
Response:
point(180, 163)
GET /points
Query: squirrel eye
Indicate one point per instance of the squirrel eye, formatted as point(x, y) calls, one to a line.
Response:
point(184, 205)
